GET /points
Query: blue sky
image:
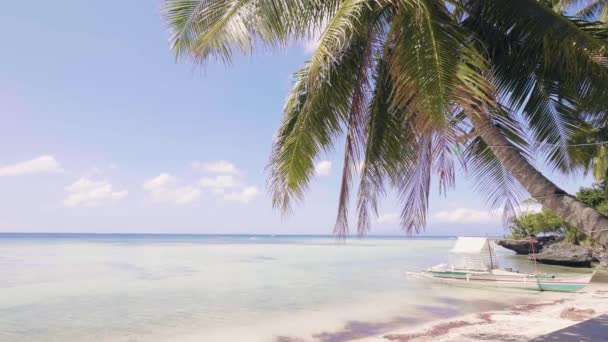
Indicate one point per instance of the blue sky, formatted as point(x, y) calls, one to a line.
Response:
point(102, 131)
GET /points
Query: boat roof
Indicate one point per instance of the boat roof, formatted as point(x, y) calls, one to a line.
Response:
point(470, 245)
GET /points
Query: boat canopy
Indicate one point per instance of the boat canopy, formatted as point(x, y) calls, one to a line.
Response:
point(473, 253)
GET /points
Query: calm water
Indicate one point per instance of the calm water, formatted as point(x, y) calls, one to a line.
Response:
point(222, 288)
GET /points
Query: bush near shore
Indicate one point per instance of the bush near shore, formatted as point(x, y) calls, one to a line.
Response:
point(557, 242)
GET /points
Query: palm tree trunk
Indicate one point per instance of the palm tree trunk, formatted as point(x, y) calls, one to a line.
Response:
point(588, 220)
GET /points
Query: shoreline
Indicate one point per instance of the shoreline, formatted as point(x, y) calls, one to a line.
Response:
point(521, 322)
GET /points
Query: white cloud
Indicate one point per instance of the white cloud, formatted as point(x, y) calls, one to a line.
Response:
point(42, 164)
point(219, 182)
point(390, 218)
point(229, 188)
point(164, 188)
point(185, 194)
point(466, 215)
point(244, 196)
point(219, 166)
point(323, 168)
point(88, 193)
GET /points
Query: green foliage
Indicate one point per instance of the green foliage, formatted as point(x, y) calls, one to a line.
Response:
point(544, 223)
point(603, 208)
point(593, 196)
point(574, 236)
point(532, 224)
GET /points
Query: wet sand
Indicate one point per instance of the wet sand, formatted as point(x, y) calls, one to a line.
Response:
point(547, 313)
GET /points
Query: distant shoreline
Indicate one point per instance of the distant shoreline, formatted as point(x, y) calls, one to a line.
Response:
point(371, 236)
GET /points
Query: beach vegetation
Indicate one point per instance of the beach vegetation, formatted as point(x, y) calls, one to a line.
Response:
point(542, 224)
point(530, 223)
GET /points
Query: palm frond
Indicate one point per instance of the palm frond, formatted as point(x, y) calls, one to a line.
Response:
point(413, 182)
point(534, 41)
point(386, 148)
point(432, 61)
point(443, 145)
point(357, 129)
point(319, 106)
point(425, 57)
point(529, 51)
point(207, 28)
point(491, 179)
point(551, 120)
point(354, 18)
point(204, 29)
point(592, 10)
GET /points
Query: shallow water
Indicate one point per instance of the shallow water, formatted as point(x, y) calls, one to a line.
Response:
point(218, 288)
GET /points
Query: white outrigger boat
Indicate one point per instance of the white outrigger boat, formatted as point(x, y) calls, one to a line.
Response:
point(473, 263)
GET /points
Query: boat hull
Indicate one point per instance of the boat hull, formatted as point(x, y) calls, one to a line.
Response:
point(507, 280)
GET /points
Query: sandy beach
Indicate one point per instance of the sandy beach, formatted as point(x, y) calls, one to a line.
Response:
point(549, 312)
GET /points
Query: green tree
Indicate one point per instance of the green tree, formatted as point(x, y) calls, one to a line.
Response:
point(544, 223)
point(532, 224)
point(409, 81)
point(592, 196)
point(603, 208)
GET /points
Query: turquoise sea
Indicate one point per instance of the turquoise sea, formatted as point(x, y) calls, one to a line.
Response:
point(128, 287)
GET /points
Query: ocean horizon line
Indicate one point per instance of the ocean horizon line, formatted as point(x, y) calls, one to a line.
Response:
point(265, 235)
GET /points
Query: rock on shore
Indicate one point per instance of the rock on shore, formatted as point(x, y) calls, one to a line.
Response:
point(522, 247)
point(551, 250)
point(600, 253)
point(565, 254)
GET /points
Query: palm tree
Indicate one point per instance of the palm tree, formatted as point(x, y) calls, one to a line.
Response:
point(408, 82)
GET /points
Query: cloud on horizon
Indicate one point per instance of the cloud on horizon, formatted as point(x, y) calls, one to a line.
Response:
point(245, 195)
point(219, 167)
point(165, 188)
point(42, 164)
point(223, 181)
point(219, 182)
point(388, 219)
point(89, 193)
point(466, 215)
point(227, 184)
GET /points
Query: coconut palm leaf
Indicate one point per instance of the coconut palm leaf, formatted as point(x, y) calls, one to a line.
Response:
point(320, 103)
point(425, 57)
point(357, 129)
point(413, 182)
point(491, 179)
point(205, 29)
point(488, 175)
point(529, 52)
point(435, 69)
point(353, 19)
point(386, 145)
point(591, 10)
